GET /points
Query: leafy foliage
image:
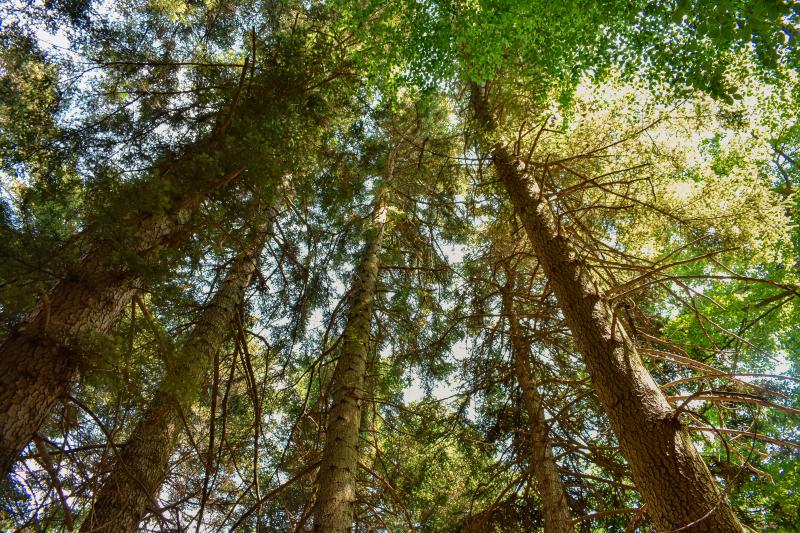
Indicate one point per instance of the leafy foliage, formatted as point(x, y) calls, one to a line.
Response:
point(664, 134)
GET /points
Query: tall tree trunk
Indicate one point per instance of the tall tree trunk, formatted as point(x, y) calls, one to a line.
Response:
point(39, 361)
point(142, 464)
point(669, 472)
point(672, 477)
point(556, 511)
point(336, 480)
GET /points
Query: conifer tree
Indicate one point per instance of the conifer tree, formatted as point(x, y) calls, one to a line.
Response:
point(537, 270)
point(41, 357)
point(670, 473)
point(336, 492)
point(555, 507)
point(141, 465)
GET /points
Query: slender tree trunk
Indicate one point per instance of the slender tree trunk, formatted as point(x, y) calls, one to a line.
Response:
point(556, 511)
point(672, 477)
point(336, 481)
point(142, 464)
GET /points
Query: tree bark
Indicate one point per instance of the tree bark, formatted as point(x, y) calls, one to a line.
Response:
point(675, 483)
point(555, 508)
point(336, 480)
point(142, 464)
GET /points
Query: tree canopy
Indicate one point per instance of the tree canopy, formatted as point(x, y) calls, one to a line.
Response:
point(402, 265)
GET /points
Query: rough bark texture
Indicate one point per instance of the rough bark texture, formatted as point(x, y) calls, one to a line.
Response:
point(671, 475)
point(336, 481)
point(142, 464)
point(555, 508)
point(39, 361)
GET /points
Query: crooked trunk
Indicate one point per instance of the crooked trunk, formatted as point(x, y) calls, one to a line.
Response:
point(336, 481)
point(142, 464)
point(672, 477)
point(556, 511)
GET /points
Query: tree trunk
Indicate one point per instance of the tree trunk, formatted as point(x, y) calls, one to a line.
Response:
point(142, 464)
point(336, 481)
point(556, 511)
point(39, 361)
point(672, 477)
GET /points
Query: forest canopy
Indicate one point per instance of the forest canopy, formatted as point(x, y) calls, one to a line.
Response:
point(399, 265)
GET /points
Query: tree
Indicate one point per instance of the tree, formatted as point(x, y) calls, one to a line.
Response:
point(140, 466)
point(44, 353)
point(557, 514)
point(666, 467)
point(397, 187)
point(336, 480)
point(537, 270)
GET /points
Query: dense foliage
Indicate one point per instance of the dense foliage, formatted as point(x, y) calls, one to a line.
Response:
point(233, 230)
